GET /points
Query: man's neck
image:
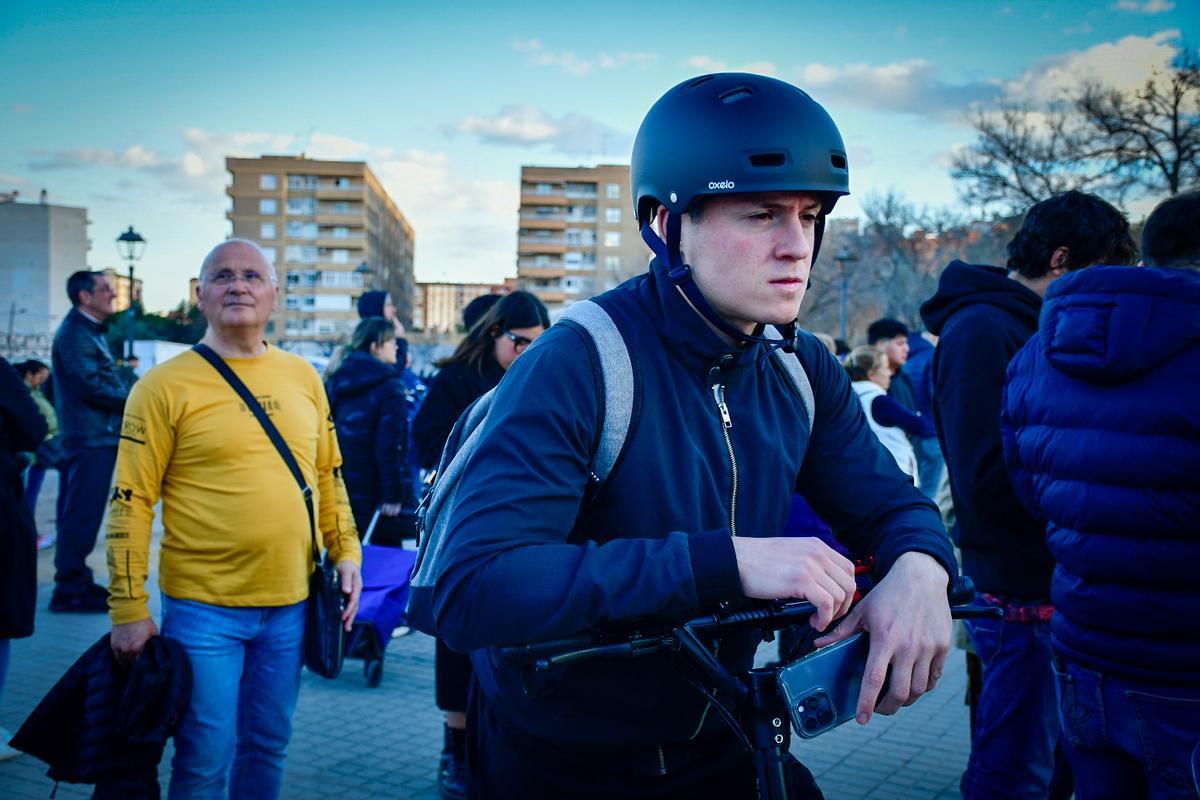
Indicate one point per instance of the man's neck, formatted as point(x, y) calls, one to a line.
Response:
point(236, 342)
point(746, 328)
point(1036, 285)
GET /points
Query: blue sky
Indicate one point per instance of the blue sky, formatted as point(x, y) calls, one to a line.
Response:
point(129, 109)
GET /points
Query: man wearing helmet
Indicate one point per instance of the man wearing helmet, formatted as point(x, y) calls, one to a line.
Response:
point(736, 172)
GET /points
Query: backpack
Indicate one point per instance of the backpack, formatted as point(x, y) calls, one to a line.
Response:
point(622, 393)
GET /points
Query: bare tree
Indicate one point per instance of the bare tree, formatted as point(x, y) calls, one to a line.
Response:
point(1022, 155)
point(1102, 140)
point(1153, 133)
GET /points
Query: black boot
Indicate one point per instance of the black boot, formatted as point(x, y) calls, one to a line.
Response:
point(452, 768)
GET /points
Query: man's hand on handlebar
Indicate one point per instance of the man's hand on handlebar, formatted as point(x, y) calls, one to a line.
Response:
point(802, 568)
point(908, 617)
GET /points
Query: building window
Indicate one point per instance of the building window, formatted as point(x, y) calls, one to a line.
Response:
point(302, 181)
point(341, 207)
point(573, 260)
point(342, 183)
point(612, 215)
point(571, 284)
point(341, 232)
point(341, 256)
point(613, 191)
point(270, 253)
point(612, 263)
point(266, 230)
point(302, 230)
point(266, 181)
point(545, 188)
point(612, 239)
point(268, 206)
point(302, 205)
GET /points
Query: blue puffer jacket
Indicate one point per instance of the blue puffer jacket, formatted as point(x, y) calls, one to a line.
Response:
point(1102, 439)
point(530, 558)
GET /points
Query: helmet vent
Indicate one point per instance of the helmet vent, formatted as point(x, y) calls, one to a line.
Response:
point(768, 160)
point(700, 80)
point(838, 160)
point(734, 95)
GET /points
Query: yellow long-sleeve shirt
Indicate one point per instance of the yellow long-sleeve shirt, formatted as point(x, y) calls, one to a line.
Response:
point(236, 531)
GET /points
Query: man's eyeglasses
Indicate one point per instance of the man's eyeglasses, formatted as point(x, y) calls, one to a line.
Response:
point(519, 342)
point(252, 278)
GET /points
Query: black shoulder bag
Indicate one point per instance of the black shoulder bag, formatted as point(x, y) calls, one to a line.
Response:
point(323, 615)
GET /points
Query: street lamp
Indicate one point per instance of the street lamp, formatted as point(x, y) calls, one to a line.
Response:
point(130, 245)
point(842, 257)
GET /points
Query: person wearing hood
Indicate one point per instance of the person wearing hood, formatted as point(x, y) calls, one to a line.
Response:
point(982, 316)
point(1101, 426)
point(367, 398)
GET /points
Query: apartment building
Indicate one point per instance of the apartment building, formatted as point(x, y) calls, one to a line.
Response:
point(40, 246)
point(438, 307)
point(120, 284)
point(577, 235)
point(332, 232)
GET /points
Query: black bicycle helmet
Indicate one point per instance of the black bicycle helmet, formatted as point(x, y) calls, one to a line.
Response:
point(732, 133)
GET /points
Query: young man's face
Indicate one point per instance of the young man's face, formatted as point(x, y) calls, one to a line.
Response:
point(750, 254)
point(896, 349)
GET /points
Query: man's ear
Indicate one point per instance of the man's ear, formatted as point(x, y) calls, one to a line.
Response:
point(660, 222)
point(1060, 258)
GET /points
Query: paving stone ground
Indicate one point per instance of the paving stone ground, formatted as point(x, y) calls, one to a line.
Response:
point(354, 742)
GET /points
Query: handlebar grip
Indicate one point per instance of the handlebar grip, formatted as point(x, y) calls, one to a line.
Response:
point(532, 652)
point(963, 591)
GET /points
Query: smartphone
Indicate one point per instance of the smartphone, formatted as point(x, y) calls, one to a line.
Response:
point(821, 690)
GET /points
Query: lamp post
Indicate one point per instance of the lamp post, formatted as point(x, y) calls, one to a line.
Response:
point(130, 245)
point(843, 255)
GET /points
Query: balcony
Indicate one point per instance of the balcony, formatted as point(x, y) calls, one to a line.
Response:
point(550, 295)
point(541, 272)
point(558, 222)
point(556, 198)
point(350, 242)
point(547, 245)
point(331, 191)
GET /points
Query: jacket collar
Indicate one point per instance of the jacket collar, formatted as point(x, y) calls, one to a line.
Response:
point(89, 320)
point(686, 335)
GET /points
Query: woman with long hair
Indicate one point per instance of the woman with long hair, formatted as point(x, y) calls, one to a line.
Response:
point(492, 344)
point(367, 398)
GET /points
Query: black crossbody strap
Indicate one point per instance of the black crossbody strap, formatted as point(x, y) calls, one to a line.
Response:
point(272, 433)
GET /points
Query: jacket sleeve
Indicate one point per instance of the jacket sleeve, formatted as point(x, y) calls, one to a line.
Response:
point(853, 482)
point(511, 574)
point(1012, 422)
point(890, 414)
point(434, 421)
point(145, 449)
point(83, 374)
point(22, 422)
point(391, 446)
point(334, 519)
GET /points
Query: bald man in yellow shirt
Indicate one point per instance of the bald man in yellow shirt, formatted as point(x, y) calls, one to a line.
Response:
point(236, 546)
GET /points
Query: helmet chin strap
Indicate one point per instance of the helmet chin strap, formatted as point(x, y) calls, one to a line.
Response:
point(681, 275)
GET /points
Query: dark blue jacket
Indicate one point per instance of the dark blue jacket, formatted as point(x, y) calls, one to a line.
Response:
point(89, 392)
point(1102, 435)
point(370, 412)
point(528, 558)
point(919, 369)
point(983, 318)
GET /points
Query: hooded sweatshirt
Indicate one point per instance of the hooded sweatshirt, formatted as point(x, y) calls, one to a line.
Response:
point(370, 304)
point(1102, 436)
point(983, 318)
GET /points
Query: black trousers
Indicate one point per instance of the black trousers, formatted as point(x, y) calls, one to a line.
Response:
point(452, 674)
point(505, 762)
point(85, 478)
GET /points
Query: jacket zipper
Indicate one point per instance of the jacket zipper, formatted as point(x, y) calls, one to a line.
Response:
point(662, 761)
point(718, 391)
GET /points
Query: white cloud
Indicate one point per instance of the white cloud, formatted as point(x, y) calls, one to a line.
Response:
point(21, 108)
point(1124, 64)
point(527, 126)
point(906, 86)
point(710, 64)
point(570, 63)
point(1147, 7)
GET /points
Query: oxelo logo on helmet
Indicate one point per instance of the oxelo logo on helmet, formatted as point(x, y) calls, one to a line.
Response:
point(721, 184)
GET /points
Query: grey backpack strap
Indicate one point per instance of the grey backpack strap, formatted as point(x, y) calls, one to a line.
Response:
point(795, 370)
point(616, 367)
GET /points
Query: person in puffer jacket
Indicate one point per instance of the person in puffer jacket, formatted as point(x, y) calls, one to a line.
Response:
point(367, 397)
point(1101, 430)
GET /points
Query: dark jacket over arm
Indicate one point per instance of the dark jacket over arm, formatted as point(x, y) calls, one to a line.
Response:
point(22, 428)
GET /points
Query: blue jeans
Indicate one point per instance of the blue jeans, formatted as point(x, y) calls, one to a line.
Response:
point(1016, 727)
point(246, 679)
point(1128, 739)
point(34, 475)
point(930, 464)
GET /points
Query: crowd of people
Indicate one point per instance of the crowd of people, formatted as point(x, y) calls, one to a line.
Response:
point(1048, 406)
